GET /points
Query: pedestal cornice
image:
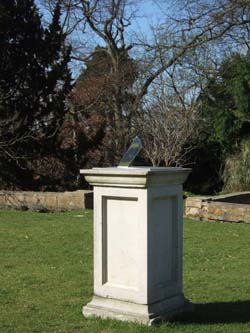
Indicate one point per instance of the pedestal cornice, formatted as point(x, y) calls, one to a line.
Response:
point(135, 177)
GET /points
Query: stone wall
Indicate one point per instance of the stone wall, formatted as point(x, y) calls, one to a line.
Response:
point(214, 209)
point(46, 201)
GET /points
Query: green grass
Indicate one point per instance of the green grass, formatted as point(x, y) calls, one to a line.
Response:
point(46, 276)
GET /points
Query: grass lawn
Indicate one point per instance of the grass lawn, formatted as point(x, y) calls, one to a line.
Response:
point(46, 276)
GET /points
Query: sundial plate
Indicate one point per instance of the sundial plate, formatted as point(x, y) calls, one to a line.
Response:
point(131, 153)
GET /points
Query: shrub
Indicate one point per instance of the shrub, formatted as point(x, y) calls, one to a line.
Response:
point(236, 175)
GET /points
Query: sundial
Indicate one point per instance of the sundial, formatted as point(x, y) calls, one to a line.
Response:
point(133, 151)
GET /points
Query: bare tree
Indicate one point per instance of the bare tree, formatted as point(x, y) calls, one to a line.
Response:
point(198, 22)
point(170, 124)
point(193, 25)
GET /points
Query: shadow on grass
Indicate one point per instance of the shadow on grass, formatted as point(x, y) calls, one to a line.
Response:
point(218, 313)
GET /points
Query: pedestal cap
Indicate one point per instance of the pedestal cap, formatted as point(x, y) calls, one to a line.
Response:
point(136, 177)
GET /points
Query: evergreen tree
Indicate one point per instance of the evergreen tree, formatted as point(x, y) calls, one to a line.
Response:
point(225, 110)
point(225, 103)
point(34, 82)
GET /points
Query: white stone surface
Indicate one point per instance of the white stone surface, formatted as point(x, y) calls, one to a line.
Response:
point(137, 243)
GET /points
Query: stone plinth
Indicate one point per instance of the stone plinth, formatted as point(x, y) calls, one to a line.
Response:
point(137, 243)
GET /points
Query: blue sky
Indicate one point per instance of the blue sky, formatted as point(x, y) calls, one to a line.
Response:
point(149, 13)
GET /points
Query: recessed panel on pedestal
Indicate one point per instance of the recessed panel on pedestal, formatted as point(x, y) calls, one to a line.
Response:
point(163, 236)
point(120, 244)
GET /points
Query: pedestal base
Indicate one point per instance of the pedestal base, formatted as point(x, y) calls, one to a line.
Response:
point(140, 313)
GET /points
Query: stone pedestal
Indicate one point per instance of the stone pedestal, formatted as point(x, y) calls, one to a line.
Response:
point(137, 243)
